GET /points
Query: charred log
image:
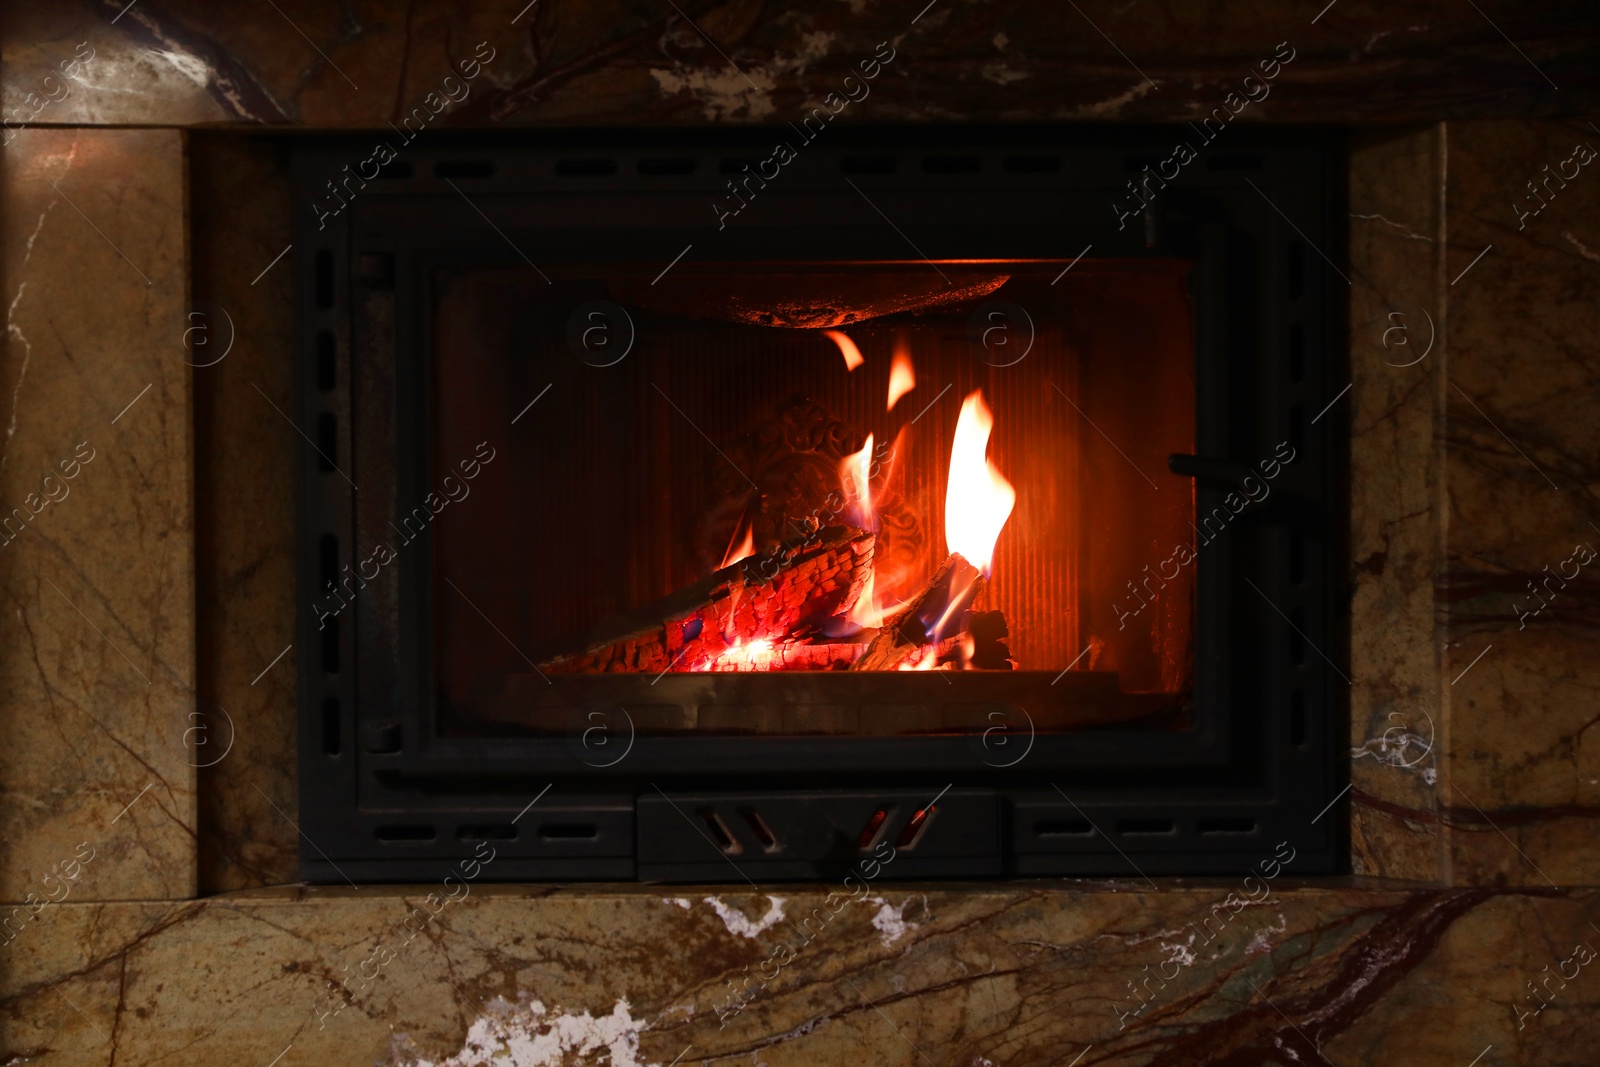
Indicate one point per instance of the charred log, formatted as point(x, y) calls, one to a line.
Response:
point(769, 597)
point(938, 610)
point(792, 655)
point(989, 649)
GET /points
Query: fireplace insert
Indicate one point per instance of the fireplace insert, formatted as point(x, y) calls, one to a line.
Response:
point(738, 505)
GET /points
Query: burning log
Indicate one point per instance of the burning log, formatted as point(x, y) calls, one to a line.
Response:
point(937, 611)
point(765, 599)
point(989, 649)
point(791, 655)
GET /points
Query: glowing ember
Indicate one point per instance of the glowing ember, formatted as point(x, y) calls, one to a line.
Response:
point(847, 348)
point(756, 656)
point(978, 499)
point(901, 377)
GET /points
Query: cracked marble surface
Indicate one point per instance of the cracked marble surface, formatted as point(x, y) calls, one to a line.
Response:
point(366, 62)
point(96, 585)
point(1473, 507)
point(1022, 975)
point(1523, 491)
point(1397, 358)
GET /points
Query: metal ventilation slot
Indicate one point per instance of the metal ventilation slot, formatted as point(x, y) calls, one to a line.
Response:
point(568, 831)
point(720, 834)
point(1063, 828)
point(1138, 827)
point(769, 840)
point(874, 828)
point(916, 827)
point(1209, 827)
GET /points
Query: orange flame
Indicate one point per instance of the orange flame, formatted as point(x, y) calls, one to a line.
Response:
point(901, 377)
point(855, 471)
point(865, 613)
point(745, 549)
point(978, 499)
point(847, 348)
point(895, 572)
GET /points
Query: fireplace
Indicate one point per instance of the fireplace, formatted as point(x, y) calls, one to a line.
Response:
point(669, 515)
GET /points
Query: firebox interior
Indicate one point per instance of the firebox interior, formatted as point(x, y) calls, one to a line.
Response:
point(663, 436)
point(587, 467)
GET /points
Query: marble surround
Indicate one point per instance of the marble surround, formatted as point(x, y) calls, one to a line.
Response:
point(157, 590)
point(1027, 975)
point(362, 63)
point(99, 611)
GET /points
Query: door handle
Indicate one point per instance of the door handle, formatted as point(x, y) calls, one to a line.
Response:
point(1209, 469)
